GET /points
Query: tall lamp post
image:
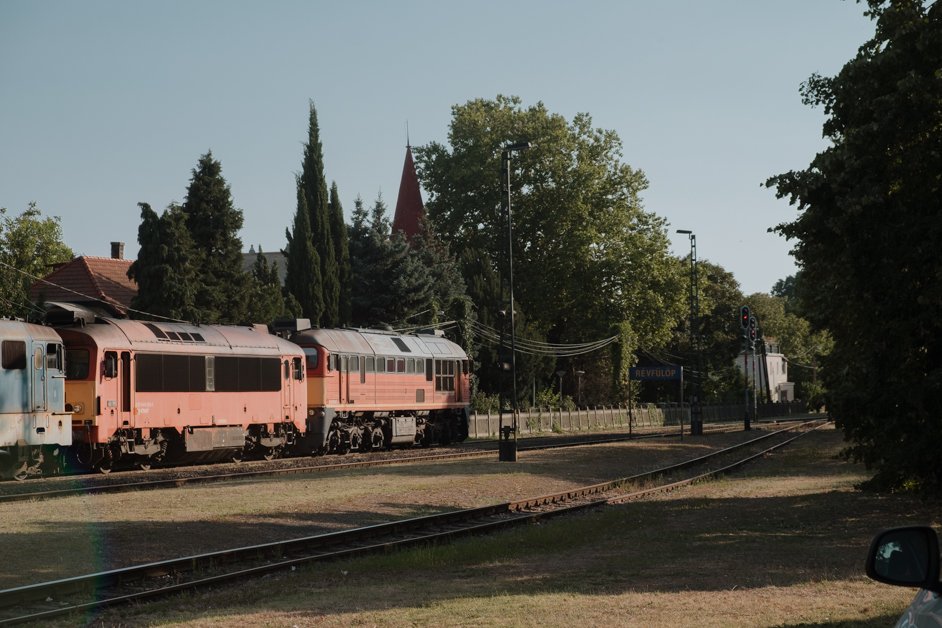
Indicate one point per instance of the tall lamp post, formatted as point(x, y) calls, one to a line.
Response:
point(507, 449)
point(696, 410)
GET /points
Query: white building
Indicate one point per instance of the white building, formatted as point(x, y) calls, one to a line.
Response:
point(770, 370)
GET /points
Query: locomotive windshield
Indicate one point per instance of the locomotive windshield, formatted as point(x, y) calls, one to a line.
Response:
point(76, 364)
point(311, 355)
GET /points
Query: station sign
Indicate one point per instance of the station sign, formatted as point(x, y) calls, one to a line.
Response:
point(660, 373)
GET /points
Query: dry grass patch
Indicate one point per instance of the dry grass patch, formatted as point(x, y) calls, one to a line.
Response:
point(780, 544)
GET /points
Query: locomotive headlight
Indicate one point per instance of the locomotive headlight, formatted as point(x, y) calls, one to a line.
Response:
point(76, 408)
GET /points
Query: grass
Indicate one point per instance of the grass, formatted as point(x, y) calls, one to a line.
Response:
point(779, 544)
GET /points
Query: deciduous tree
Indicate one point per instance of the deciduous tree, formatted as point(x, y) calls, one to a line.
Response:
point(588, 259)
point(29, 247)
point(868, 239)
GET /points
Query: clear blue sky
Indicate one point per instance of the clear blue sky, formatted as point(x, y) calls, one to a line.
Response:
point(107, 103)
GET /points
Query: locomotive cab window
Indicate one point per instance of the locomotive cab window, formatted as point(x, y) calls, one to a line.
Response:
point(54, 356)
point(14, 354)
point(444, 375)
point(76, 364)
point(111, 364)
point(297, 365)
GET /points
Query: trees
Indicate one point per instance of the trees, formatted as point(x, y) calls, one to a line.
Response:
point(867, 241)
point(265, 303)
point(338, 231)
point(164, 268)
point(313, 186)
point(324, 293)
point(588, 260)
point(213, 224)
point(29, 246)
point(190, 263)
point(391, 282)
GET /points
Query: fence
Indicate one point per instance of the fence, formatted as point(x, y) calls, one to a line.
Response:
point(601, 417)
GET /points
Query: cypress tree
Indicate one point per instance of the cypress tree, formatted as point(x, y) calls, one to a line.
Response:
point(302, 264)
point(338, 230)
point(213, 223)
point(314, 189)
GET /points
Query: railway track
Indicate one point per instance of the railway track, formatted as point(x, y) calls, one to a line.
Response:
point(39, 602)
point(96, 484)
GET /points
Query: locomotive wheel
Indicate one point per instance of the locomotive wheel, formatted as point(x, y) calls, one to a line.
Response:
point(21, 473)
point(378, 438)
point(105, 465)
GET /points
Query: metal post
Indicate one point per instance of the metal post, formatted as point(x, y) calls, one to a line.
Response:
point(696, 410)
point(755, 383)
point(745, 372)
point(508, 442)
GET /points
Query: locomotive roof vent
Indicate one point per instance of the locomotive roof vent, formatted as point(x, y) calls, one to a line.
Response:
point(290, 325)
point(403, 346)
point(160, 334)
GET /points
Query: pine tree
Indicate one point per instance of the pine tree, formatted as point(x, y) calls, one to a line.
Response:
point(266, 302)
point(338, 230)
point(302, 264)
point(392, 283)
point(314, 189)
point(163, 270)
point(214, 224)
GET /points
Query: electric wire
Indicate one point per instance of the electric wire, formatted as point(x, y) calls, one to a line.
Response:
point(91, 298)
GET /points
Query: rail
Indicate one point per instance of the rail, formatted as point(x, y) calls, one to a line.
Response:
point(82, 593)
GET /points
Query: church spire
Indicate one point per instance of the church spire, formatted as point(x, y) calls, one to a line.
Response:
point(409, 208)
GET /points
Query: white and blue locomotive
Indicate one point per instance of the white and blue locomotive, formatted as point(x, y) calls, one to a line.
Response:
point(34, 425)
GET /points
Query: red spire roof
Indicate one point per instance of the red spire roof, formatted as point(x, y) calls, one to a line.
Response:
point(409, 208)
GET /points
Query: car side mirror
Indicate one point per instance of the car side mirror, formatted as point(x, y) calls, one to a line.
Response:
point(906, 557)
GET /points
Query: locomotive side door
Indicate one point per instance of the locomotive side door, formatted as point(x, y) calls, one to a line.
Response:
point(125, 416)
point(344, 378)
point(39, 379)
point(116, 388)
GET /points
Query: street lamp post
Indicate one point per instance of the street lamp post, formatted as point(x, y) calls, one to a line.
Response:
point(507, 451)
point(696, 410)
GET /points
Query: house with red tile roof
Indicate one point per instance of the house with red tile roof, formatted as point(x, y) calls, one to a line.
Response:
point(98, 283)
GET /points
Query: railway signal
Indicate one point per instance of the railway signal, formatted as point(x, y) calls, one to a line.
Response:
point(744, 317)
point(753, 328)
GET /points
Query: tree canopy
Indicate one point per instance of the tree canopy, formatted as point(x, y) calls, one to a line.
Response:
point(589, 261)
point(163, 270)
point(213, 223)
point(29, 247)
point(867, 240)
